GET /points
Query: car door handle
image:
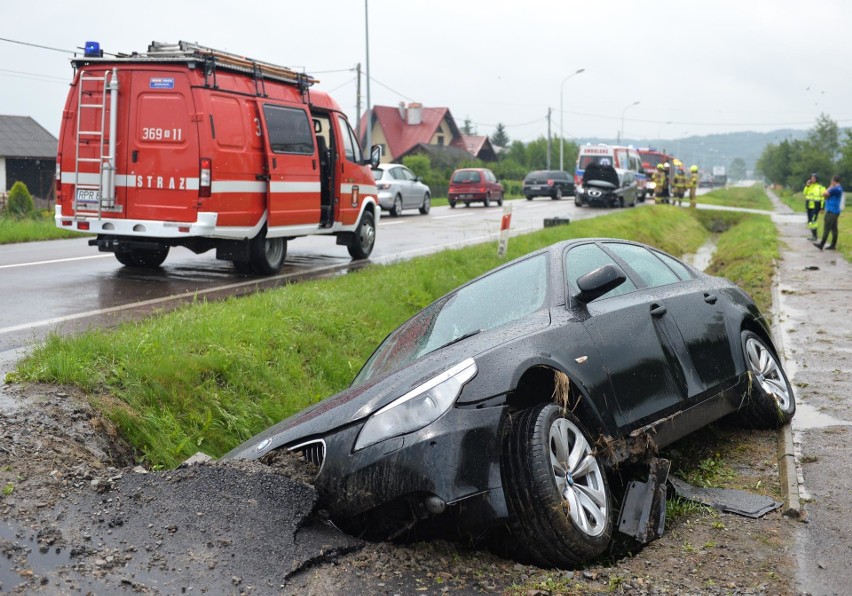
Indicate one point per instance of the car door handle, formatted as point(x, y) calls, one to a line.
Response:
point(710, 298)
point(658, 310)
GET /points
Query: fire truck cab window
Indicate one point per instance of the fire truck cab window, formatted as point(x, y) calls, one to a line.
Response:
point(289, 130)
point(351, 148)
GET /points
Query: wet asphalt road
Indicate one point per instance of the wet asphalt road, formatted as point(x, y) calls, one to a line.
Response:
point(66, 285)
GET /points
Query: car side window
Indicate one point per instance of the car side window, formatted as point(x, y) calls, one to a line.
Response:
point(679, 268)
point(650, 269)
point(584, 259)
point(351, 148)
point(407, 175)
point(396, 174)
point(289, 130)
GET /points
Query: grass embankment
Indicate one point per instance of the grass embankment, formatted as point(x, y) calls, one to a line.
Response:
point(209, 375)
point(31, 230)
point(748, 197)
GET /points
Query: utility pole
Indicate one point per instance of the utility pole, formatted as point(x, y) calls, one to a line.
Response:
point(358, 101)
point(549, 141)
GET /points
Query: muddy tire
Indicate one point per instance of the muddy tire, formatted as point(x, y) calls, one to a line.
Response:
point(426, 205)
point(396, 209)
point(556, 487)
point(364, 237)
point(266, 255)
point(147, 259)
point(770, 402)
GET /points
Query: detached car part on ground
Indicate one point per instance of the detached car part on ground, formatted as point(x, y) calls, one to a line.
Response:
point(529, 397)
point(604, 186)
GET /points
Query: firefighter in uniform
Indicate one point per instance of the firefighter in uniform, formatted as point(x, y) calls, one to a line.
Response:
point(679, 184)
point(813, 192)
point(693, 185)
point(667, 182)
point(659, 183)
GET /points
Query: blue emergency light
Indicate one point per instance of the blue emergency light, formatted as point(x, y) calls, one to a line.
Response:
point(93, 50)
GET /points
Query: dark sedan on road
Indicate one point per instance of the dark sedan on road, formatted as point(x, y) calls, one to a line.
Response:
point(521, 398)
point(548, 183)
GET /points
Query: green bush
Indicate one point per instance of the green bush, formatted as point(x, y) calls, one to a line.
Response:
point(20, 201)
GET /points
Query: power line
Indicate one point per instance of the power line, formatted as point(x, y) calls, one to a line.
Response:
point(32, 75)
point(391, 90)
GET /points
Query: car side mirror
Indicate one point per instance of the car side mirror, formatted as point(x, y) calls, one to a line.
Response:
point(375, 156)
point(595, 284)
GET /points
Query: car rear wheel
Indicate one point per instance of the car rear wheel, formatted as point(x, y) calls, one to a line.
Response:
point(426, 205)
point(529, 198)
point(267, 255)
point(452, 204)
point(364, 237)
point(396, 209)
point(556, 488)
point(557, 196)
point(770, 403)
point(487, 200)
point(500, 201)
point(146, 258)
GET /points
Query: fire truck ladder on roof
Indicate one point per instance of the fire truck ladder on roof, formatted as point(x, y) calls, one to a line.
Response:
point(93, 92)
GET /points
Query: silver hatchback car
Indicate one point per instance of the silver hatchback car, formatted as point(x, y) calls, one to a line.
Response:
point(399, 189)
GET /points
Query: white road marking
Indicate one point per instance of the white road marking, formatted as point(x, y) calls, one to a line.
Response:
point(391, 223)
point(50, 262)
point(452, 216)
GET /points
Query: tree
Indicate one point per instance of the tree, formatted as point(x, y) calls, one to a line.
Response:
point(20, 201)
point(738, 169)
point(500, 138)
point(467, 128)
point(825, 136)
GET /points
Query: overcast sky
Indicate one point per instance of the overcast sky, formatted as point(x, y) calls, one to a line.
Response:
point(695, 67)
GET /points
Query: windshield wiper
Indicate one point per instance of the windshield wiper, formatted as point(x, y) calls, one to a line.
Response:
point(458, 339)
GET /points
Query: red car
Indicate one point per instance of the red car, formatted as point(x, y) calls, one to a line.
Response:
point(474, 185)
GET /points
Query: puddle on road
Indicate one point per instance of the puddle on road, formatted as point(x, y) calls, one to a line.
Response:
point(807, 417)
point(28, 557)
point(700, 259)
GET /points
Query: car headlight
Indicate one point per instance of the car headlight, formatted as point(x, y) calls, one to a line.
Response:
point(417, 408)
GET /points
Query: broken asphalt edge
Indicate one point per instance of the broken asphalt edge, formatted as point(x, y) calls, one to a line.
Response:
point(786, 456)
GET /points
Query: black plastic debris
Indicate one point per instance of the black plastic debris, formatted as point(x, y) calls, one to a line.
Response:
point(729, 500)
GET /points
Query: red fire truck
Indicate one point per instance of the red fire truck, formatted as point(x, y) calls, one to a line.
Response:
point(650, 159)
point(185, 145)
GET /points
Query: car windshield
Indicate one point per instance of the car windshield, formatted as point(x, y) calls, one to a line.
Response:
point(585, 160)
point(652, 159)
point(505, 296)
point(466, 176)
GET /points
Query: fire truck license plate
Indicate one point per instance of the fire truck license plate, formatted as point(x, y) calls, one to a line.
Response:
point(87, 196)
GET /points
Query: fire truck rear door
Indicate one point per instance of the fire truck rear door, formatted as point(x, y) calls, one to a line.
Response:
point(293, 167)
point(162, 158)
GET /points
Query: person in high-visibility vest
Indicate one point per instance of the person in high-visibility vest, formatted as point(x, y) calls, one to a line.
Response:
point(659, 182)
point(679, 184)
point(813, 192)
point(693, 185)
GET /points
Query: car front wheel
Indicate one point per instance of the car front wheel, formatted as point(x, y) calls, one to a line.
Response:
point(556, 487)
point(426, 205)
point(770, 403)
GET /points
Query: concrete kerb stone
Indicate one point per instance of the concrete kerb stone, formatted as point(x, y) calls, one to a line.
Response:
point(786, 457)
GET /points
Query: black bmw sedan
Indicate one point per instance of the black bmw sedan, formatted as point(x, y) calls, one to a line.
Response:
point(512, 400)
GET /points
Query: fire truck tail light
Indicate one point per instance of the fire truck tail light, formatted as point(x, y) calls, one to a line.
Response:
point(82, 225)
point(205, 177)
point(67, 222)
point(57, 185)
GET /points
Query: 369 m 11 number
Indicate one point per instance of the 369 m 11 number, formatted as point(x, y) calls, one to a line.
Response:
point(162, 134)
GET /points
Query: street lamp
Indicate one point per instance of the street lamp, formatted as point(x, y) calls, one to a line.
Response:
point(562, 115)
point(621, 131)
point(660, 132)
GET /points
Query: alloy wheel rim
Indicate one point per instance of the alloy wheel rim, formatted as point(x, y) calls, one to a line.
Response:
point(578, 478)
point(768, 373)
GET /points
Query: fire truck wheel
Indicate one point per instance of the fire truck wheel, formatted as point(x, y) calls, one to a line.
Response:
point(364, 237)
point(267, 254)
point(149, 259)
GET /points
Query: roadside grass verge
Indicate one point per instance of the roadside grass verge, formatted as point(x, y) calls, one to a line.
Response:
point(748, 197)
point(31, 230)
point(794, 200)
point(210, 375)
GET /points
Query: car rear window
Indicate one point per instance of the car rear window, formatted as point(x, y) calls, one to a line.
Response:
point(379, 174)
point(467, 176)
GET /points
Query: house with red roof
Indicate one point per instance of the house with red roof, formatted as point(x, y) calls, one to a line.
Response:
point(410, 129)
point(480, 147)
